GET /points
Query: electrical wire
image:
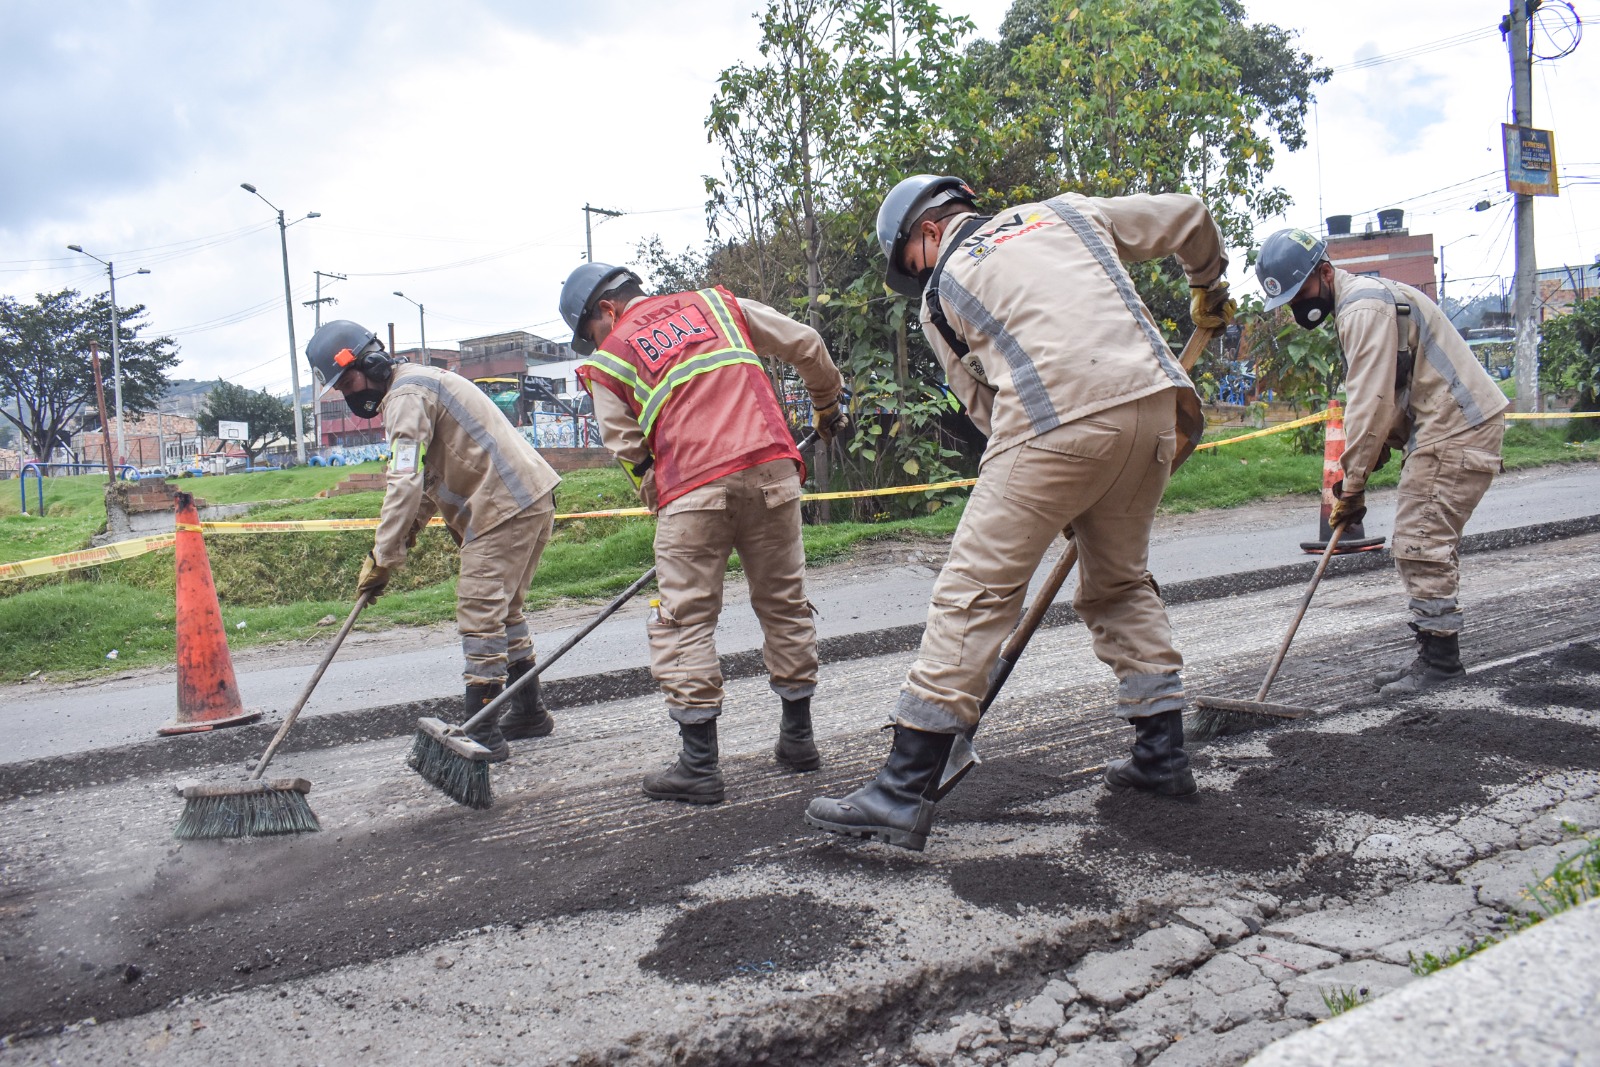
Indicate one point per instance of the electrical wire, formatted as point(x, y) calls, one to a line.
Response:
point(1443, 43)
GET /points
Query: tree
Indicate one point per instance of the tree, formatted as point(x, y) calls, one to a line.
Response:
point(1569, 362)
point(46, 375)
point(269, 417)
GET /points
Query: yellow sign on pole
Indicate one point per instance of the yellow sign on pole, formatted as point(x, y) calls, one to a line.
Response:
point(1530, 160)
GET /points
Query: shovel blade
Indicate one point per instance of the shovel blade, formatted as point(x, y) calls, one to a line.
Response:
point(963, 757)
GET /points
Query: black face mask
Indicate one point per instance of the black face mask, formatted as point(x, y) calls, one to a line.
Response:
point(1313, 312)
point(364, 402)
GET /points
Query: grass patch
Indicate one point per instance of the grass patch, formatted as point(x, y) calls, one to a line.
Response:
point(1339, 1001)
point(1572, 882)
point(280, 585)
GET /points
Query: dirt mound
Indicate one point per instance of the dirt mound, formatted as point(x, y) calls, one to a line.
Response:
point(1553, 694)
point(1381, 774)
point(992, 790)
point(1537, 742)
point(1578, 657)
point(754, 936)
point(1211, 830)
point(1420, 763)
point(1018, 882)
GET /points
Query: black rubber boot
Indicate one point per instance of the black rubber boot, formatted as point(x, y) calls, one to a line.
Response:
point(488, 734)
point(796, 750)
point(528, 717)
point(1394, 674)
point(1159, 764)
point(1438, 661)
point(896, 807)
point(695, 778)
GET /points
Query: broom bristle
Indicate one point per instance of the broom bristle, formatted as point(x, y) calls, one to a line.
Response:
point(257, 813)
point(463, 780)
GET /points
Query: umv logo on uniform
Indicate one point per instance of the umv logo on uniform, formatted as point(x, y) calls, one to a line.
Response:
point(984, 242)
point(657, 340)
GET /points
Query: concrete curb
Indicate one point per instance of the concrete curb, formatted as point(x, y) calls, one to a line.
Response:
point(185, 753)
point(1468, 1014)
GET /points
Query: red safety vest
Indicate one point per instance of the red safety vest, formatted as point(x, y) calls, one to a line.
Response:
point(684, 365)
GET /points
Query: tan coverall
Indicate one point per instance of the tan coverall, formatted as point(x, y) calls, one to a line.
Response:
point(755, 511)
point(452, 451)
point(1086, 409)
point(1447, 418)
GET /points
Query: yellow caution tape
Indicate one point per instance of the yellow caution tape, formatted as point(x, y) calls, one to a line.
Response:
point(1282, 427)
point(94, 557)
point(88, 557)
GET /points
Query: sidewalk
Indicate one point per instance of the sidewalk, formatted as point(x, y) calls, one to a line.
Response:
point(1529, 1001)
point(45, 721)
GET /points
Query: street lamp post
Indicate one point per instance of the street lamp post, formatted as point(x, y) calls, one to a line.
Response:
point(288, 304)
point(1442, 247)
point(422, 320)
point(116, 347)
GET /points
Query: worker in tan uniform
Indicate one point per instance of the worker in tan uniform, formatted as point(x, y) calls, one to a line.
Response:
point(1044, 340)
point(684, 403)
point(451, 451)
point(1411, 383)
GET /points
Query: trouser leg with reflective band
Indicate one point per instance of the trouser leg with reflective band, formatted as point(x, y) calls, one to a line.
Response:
point(756, 511)
point(694, 537)
point(1440, 486)
point(1104, 475)
point(764, 502)
point(496, 568)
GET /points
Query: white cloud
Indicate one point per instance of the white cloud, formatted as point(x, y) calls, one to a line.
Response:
point(429, 133)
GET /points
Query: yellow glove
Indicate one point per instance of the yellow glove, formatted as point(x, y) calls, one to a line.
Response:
point(373, 577)
point(832, 423)
point(1347, 509)
point(1210, 306)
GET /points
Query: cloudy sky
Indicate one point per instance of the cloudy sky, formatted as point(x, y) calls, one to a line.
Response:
point(450, 148)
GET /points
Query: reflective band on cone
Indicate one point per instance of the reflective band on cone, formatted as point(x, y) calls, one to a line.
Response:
point(208, 694)
point(1355, 538)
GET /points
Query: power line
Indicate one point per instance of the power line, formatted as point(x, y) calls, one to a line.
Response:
point(1443, 43)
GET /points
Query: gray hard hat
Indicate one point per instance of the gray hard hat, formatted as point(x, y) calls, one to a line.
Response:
point(1287, 259)
point(582, 289)
point(334, 349)
point(905, 202)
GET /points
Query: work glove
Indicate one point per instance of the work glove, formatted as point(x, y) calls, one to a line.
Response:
point(1210, 307)
point(417, 526)
point(374, 577)
point(832, 424)
point(647, 491)
point(1347, 510)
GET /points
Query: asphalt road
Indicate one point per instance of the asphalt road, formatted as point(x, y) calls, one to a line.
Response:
point(571, 922)
point(49, 720)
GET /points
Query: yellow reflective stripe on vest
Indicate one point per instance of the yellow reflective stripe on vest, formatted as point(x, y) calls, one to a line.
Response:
point(691, 368)
point(719, 308)
point(622, 372)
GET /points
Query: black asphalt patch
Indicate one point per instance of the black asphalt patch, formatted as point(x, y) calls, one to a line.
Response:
point(756, 936)
point(1018, 882)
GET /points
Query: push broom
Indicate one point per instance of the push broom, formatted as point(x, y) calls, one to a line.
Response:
point(1218, 716)
point(457, 766)
point(259, 807)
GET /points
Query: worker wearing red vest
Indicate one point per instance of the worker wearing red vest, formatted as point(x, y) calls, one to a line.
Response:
point(684, 403)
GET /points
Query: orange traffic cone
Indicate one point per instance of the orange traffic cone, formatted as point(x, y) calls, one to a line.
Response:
point(1355, 538)
point(208, 695)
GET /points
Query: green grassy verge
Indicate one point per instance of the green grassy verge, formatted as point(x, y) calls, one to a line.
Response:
point(1573, 881)
point(67, 625)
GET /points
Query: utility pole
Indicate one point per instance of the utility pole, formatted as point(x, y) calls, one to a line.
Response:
point(1527, 345)
point(288, 306)
point(588, 230)
point(316, 403)
point(116, 348)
